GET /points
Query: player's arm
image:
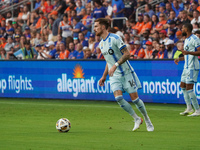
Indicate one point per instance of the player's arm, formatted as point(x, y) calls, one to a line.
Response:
point(126, 55)
point(196, 53)
point(178, 59)
point(103, 78)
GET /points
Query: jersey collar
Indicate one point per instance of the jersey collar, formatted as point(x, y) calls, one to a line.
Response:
point(107, 37)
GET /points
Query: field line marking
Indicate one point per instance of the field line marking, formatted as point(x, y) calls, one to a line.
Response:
point(78, 105)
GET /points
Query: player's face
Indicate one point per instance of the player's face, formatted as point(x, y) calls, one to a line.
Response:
point(98, 29)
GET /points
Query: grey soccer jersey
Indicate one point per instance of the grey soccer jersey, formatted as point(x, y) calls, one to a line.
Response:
point(111, 49)
point(191, 44)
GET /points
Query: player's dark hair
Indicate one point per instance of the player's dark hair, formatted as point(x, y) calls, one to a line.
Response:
point(188, 26)
point(103, 21)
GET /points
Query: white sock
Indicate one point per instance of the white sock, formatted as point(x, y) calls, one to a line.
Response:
point(193, 99)
point(187, 99)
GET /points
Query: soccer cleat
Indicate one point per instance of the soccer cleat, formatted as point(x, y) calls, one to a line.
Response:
point(149, 125)
point(138, 122)
point(187, 112)
point(196, 113)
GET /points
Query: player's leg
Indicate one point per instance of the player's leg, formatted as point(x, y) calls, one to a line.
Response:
point(124, 104)
point(189, 109)
point(131, 85)
point(193, 98)
point(192, 78)
point(116, 86)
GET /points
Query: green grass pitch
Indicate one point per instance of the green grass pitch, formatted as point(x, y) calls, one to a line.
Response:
point(29, 124)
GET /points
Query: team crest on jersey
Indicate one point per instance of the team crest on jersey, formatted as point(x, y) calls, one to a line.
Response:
point(187, 48)
point(110, 51)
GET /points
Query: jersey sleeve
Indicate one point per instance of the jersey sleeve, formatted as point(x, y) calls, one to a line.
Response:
point(197, 43)
point(120, 44)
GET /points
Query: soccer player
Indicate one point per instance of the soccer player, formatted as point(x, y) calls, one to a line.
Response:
point(191, 69)
point(122, 76)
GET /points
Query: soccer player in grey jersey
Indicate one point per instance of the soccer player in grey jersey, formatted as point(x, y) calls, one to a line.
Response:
point(191, 70)
point(121, 74)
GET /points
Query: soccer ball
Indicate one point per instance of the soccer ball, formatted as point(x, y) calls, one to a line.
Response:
point(63, 125)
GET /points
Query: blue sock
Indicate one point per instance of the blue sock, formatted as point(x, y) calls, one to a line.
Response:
point(193, 99)
point(141, 107)
point(126, 106)
point(187, 99)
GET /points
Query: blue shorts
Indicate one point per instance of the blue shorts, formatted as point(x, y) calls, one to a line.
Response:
point(189, 76)
point(129, 83)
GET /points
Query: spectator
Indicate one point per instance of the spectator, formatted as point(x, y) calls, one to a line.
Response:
point(2, 42)
point(172, 16)
point(60, 7)
point(178, 53)
point(157, 9)
point(26, 15)
point(176, 7)
point(91, 43)
point(96, 45)
point(27, 33)
point(145, 38)
point(198, 8)
point(64, 28)
point(82, 39)
point(54, 15)
point(52, 50)
point(9, 17)
point(79, 7)
point(99, 10)
point(163, 36)
point(155, 45)
point(88, 54)
point(138, 52)
point(22, 41)
point(48, 7)
point(148, 50)
point(171, 49)
point(168, 7)
point(187, 6)
point(161, 23)
point(138, 27)
point(147, 24)
point(99, 54)
point(85, 32)
point(161, 9)
point(63, 52)
point(9, 44)
point(184, 17)
point(34, 17)
point(180, 3)
point(21, 9)
point(17, 43)
point(80, 54)
point(76, 27)
point(73, 52)
point(148, 10)
point(38, 24)
point(155, 21)
point(89, 19)
point(127, 38)
point(194, 5)
point(196, 27)
point(27, 52)
point(109, 9)
point(197, 33)
point(72, 6)
point(161, 51)
point(3, 55)
point(178, 36)
point(172, 29)
point(2, 32)
point(37, 4)
point(84, 16)
point(131, 44)
point(43, 51)
point(196, 16)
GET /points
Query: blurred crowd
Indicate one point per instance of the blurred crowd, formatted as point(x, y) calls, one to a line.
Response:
point(63, 29)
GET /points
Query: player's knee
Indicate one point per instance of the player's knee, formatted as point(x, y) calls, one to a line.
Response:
point(119, 98)
point(135, 101)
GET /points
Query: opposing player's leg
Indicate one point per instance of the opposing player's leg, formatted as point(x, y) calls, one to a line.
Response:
point(188, 110)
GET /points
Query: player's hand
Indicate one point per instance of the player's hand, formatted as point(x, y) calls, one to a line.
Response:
point(112, 70)
point(184, 52)
point(101, 81)
point(176, 61)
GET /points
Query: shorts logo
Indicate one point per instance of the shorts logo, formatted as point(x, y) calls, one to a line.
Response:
point(110, 51)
